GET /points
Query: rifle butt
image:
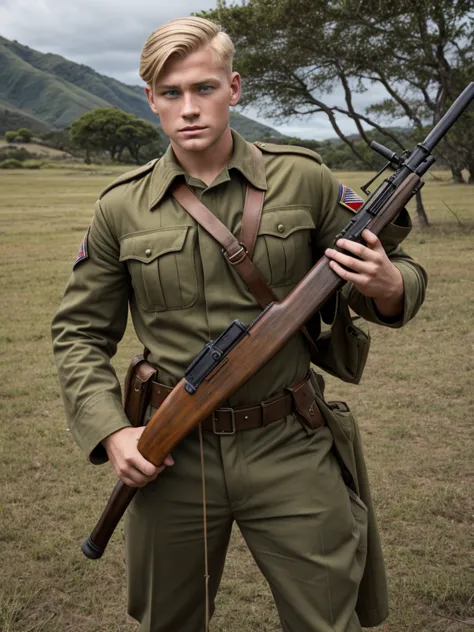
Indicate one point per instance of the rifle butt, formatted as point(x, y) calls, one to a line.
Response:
point(119, 500)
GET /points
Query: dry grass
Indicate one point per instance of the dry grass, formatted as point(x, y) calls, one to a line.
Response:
point(40, 150)
point(414, 404)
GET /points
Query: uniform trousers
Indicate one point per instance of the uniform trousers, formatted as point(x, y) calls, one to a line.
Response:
point(282, 485)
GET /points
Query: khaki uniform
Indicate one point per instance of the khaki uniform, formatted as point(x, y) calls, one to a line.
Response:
point(282, 483)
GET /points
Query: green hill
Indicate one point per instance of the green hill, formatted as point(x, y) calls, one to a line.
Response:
point(55, 91)
point(11, 118)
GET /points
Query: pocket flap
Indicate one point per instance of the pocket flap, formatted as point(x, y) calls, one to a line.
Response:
point(148, 246)
point(283, 222)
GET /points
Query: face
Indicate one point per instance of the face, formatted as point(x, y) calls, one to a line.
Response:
point(192, 99)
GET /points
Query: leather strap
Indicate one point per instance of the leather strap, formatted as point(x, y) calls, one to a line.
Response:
point(238, 253)
point(231, 420)
point(253, 208)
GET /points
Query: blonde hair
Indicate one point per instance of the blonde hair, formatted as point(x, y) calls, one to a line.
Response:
point(180, 37)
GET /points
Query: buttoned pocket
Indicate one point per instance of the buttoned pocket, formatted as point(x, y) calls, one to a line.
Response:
point(283, 248)
point(161, 265)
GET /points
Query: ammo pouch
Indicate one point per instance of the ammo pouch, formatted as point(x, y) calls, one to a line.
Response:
point(341, 350)
point(136, 389)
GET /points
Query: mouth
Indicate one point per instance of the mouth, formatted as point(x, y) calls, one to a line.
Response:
point(192, 129)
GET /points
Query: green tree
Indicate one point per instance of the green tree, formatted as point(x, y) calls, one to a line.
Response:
point(97, 131)
point(24, 134)
point(10, 136)
point(418, 51)
point(137, 134)
point(111, 130)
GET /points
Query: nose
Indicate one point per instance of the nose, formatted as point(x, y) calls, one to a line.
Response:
point(190, 108)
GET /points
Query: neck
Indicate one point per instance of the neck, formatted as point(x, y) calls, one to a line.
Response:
point(206, 165)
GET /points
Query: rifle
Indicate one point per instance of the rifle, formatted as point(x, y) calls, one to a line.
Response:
point(225, 364)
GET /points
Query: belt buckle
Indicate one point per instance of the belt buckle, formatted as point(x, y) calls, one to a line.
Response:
point(232, 419)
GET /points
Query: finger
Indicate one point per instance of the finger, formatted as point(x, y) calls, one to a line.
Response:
point(372, 241)
point(168, 460)
point(355, 264)
point(355, 248)
point(143, 465)
point(345, 274)
point(138, 479)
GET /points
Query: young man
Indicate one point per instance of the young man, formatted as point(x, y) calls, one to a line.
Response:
point(279, 480)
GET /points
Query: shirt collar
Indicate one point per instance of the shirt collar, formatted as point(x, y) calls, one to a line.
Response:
point(243, 159)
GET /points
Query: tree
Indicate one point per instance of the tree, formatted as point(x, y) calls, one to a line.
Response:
point(23, 134)
point(137, 134)
point(112, 130)
point(10, 136)
point(292, 65)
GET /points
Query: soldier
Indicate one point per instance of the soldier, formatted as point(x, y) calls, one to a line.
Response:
point(285, 484)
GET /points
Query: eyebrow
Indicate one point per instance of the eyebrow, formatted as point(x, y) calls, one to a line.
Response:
point(162, 86)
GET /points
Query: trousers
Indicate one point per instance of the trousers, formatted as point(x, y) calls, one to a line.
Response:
point(283, 487)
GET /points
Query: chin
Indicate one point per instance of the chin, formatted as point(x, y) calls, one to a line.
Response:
point(195, 144)
point(202, 143)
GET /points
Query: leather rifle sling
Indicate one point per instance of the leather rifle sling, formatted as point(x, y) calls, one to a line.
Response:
point(238, 251)
point(250, 224)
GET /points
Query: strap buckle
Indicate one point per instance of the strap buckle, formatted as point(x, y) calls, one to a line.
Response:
point(238, 256)
point(232, 430)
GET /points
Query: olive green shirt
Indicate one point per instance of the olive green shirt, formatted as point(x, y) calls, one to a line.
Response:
point(145, 251)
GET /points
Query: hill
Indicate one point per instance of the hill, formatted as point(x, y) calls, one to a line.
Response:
point(12, 118)
point(54, 91)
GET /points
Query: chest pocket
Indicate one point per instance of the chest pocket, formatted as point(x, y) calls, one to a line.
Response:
point(283, 248)
point(161, 265)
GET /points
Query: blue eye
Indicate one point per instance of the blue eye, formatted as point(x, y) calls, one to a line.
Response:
point(170, 93)
point(205, 88)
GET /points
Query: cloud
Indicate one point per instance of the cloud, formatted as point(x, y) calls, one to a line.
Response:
point(108, 35)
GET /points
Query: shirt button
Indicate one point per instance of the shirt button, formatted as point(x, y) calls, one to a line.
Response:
point(148, 252)
point(280, 228)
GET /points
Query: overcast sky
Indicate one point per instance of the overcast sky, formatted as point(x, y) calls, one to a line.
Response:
point(108, 36)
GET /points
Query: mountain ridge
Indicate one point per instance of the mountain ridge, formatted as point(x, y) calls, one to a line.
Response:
point(53, 90)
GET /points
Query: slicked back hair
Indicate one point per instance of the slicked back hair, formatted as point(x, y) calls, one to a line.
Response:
point(179, 38)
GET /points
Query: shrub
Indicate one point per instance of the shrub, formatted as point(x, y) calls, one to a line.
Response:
point(10, 137)
point(33, 164)
point(15, 153)
point(11, 163)
point(25, 134)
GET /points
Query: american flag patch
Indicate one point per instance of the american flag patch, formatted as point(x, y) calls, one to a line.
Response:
point(349, 199)
point(83, 252)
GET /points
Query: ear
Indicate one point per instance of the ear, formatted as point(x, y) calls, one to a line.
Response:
point(235, 88)
point(151, 103)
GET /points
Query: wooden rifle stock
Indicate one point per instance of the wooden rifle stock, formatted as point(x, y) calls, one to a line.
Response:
point(272, 329)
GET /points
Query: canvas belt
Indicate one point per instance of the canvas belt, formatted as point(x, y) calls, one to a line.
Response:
point(299, 398)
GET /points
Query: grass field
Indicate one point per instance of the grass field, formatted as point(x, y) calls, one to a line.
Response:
point(415, 406)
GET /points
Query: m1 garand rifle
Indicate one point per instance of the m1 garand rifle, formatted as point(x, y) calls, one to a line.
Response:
point(225, 364)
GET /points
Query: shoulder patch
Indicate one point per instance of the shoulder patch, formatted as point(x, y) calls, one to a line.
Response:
point(272, 148)
point(348, 198)
point(83, 253)
point(130, 175)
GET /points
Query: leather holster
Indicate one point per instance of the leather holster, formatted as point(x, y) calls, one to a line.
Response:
point(137, 388)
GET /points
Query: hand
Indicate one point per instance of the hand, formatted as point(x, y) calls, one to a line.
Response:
point(373, 274)
point(129, 465)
